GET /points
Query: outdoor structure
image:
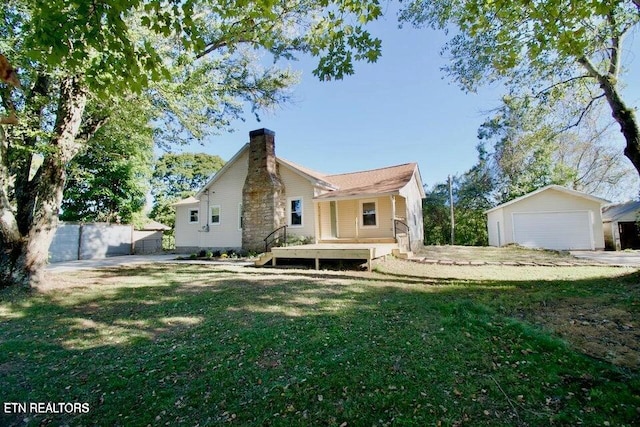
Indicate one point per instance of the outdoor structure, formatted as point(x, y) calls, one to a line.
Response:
point(619, 222)
point(147, 239)
point(74, 241)
point(551, 217)
point(257, 194)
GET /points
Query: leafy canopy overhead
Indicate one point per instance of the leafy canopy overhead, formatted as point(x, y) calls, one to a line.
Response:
point(516, 41)
point(101, 39)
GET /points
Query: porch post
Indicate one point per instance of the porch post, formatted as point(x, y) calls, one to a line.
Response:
point(317, 227)
point(393, 212)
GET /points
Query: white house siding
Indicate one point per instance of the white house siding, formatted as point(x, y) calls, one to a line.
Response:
point(324, 213)
point(495, 221)
point(187, 233)
point(225, 192)
point(296, 186)
point(413, 198)
point(548, 201)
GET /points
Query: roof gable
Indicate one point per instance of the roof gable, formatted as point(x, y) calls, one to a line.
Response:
point(221, 172)
point(551, 187)
point(188, 201)
point(376, 181)
point(369, 182)
point(315, 177)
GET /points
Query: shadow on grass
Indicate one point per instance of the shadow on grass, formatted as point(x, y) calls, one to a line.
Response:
point(191, 345)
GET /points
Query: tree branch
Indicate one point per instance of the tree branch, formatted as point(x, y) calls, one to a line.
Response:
point(583, 114)
point(614, 65)
point(564, 82)
point(90, 126)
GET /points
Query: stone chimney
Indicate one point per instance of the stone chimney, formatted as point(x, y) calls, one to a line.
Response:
point(263, 197)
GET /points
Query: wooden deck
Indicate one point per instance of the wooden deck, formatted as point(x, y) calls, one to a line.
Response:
point(318, 251)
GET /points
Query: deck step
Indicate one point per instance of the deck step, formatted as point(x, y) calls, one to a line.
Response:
point(264, 258)
point(402, 254)
point(372, 240)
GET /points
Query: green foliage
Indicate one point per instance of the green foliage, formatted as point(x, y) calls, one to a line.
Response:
point(437, 219)
point(543, 50)
point(177, 176)
point(520, 41)
point(109, 180)
point(101, 40)
point(472, 193)
point(180, 175)
point(198, 63)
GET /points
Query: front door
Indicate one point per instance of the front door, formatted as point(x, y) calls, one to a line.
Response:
point(334, 219)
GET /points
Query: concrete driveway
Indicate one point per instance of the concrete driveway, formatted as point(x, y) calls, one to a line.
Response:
point(626, 258)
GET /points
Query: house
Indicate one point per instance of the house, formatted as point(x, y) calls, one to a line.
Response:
point(147, 238)
point(619, 222)
point(551, 217)
point(257, 193)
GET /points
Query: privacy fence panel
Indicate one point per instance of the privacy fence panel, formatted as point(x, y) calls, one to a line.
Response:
point(90, 241)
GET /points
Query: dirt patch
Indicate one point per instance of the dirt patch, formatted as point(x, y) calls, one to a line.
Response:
point(590, 307)
point(607, 333)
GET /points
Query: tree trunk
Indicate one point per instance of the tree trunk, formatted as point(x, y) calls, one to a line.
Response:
point(626, 118)
point(25, 248)
point(622, 114)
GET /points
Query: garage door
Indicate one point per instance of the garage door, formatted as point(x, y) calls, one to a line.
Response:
point(553, 230)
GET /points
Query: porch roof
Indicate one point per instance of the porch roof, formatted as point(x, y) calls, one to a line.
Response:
point(370, 183)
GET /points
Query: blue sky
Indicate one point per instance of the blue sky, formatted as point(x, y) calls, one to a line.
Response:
point(398, 110)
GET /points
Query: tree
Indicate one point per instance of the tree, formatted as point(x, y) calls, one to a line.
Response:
point(472, 196)
point(529, 148)
point(177, 176)
point(546, 46)
point(109, 180)
point(437, 220)
point(73, 53)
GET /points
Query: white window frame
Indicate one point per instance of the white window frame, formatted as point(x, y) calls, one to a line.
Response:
point(240, 216)
point(377, 213)
point(289, 212)
point(197, 211)
point(219, 214)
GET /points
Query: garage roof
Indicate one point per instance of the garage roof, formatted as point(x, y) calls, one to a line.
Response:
point(552, 187)
point(618, 211)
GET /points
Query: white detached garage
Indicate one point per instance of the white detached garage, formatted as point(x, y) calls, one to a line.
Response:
point(551, 217)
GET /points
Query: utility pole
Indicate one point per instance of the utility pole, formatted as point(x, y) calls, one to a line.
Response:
point(453, 225)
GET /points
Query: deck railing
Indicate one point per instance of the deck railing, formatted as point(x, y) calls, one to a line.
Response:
point(403, 227)
point(277, 236)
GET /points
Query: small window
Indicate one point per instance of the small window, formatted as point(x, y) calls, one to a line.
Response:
point(295, 209)
point(193, 215)
point(369, 218)
point(215, 215)
point(240, 214)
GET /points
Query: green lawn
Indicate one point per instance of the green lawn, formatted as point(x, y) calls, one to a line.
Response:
point(204, 345)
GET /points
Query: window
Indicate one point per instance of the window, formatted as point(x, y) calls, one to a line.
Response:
point(215, 215)
point(369, 218)
point(240, 219)
point(295, 212)
point(193, 215)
